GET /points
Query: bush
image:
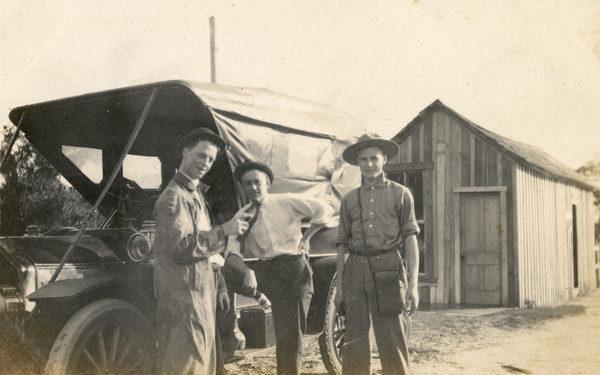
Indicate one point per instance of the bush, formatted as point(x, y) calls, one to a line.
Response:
point(32, 193)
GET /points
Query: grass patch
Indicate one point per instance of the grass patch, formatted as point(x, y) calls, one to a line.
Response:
point(435, 335)
point(514, 319)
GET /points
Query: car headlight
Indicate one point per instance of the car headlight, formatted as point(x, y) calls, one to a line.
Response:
point(10, 300)
point(139, 247)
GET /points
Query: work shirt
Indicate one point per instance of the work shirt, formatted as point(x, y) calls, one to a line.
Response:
point(278, 228)
point(184, 279)
point(181, 219)
point(388, 216)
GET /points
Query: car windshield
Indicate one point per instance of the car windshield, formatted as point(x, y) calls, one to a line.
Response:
point(143, 171)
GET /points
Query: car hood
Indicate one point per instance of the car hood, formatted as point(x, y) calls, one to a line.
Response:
point(95, 246)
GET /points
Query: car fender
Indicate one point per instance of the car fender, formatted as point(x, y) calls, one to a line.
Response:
point(324, 269)
point(79, 292)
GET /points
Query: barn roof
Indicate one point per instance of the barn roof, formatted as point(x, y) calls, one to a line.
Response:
point(527, 155)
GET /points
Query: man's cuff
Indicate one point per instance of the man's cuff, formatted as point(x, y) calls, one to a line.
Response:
point(329, 222)
point(406, 235)
point(341, 242)
point(234, 253)
point(220, 233)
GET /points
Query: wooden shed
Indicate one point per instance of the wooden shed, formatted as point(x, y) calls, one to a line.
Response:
point(502, 222)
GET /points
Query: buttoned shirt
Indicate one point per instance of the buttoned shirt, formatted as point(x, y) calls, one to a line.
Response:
point(278, 228)
point(388, 216)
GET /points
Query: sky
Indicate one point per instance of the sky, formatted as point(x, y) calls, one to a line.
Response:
point(527, 70)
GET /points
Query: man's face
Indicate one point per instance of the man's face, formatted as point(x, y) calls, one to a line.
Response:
point(256, 184)
point(371, 161)
point(197, 160)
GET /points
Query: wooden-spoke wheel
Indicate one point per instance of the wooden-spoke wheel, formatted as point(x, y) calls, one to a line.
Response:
point(332, 339)
point(106, 337)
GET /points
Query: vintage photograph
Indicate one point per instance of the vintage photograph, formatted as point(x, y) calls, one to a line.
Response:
point(315, 188)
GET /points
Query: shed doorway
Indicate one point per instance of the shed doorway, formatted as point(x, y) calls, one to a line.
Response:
point(481, 237)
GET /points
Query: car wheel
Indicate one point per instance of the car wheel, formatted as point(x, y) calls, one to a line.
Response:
point(331, 340)
point(109, 336)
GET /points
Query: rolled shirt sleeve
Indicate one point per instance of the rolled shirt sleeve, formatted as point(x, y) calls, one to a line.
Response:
point(278, 229)
point(406, 215)
point(319, 212)
point(345, 224)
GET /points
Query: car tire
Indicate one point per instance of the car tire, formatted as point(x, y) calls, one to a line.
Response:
point(331, 340)
point(106, 336)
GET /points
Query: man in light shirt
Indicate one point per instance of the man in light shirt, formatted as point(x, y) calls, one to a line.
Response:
point(283, 273)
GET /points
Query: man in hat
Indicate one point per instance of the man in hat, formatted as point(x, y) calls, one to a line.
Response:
point(282, 271)
point(183, 276)
point(376, 220)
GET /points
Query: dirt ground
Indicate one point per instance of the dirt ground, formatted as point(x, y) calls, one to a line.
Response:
point(563, 340)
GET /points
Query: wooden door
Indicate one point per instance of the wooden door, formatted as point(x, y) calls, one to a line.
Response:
point(480, 249)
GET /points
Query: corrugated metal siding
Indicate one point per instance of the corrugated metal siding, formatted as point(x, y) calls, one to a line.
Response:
point(545, 239)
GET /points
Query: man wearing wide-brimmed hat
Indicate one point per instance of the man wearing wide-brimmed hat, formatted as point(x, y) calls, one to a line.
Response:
point(183, 277)
point(377, 221)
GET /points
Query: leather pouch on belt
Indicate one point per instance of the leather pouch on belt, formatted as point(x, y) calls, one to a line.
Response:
point(386, 269)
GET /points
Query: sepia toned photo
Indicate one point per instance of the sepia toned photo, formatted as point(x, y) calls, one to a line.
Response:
point(281, 187)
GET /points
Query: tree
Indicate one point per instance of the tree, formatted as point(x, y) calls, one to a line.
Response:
point(10, 196)
point(591, 171)
point(32, 192)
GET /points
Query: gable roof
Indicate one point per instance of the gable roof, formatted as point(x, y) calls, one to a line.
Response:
point(527, 155)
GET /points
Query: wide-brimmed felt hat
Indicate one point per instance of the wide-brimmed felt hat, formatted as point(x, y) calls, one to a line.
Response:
point(249, 165)
point(389, 148)
point(200, 134)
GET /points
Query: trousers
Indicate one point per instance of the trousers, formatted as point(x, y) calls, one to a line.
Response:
point(391, 332)
point(287, 282)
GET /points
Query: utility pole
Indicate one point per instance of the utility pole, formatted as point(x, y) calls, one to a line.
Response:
point(213, 69)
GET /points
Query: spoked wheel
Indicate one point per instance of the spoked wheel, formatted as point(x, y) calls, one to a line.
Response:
point(331, 341)
point(109, 336)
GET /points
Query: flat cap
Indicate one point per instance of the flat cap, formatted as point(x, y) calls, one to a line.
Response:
point(200, 134)
point(252, 165)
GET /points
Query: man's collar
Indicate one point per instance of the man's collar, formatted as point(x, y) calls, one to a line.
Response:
point(379, 182)
point(194, 182)
point(191, 185)
point(266, 199)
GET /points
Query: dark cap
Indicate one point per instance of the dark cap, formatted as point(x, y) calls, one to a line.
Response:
point(250, 166)
point(200, 134)
point(387, 147)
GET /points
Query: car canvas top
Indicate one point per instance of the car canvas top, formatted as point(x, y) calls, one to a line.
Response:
point(302, 141)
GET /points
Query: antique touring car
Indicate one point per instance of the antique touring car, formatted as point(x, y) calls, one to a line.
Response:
point(83, 297)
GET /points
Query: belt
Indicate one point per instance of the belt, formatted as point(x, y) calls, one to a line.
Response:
point(283, 258)
point(371, 252)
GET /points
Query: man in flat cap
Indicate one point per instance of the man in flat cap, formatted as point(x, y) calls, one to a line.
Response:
point(282, 271)
point(377, 220)
point(183, 277)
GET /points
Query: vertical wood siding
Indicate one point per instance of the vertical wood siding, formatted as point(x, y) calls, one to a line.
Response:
point(538, 227)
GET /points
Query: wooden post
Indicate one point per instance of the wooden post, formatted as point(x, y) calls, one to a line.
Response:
point(213, 70)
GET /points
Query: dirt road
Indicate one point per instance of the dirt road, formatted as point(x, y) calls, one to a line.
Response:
point(570, 345)
point(564, 340)
point(541, 341)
